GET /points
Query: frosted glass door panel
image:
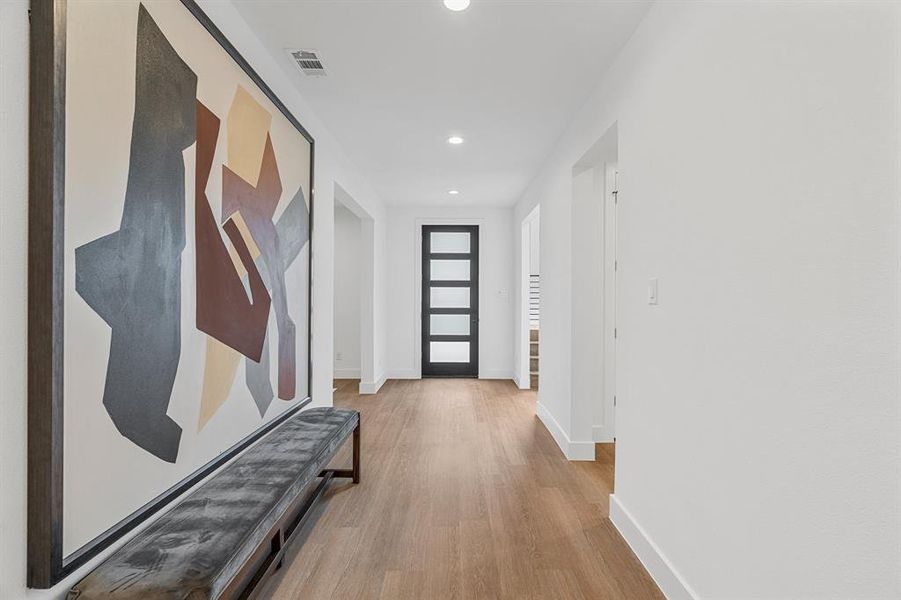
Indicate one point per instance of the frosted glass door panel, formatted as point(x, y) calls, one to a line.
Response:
point(450, 270)
point(449, 324)
point(449, 352)
point(449, 297)
point(450, 241)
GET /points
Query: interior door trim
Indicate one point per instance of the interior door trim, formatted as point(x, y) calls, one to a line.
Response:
point(429, 368)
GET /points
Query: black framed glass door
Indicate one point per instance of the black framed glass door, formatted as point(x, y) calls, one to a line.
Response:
point(450, 301)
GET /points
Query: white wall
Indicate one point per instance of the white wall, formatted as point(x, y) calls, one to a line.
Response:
point(592, 347)
point(348, 261)
point(13, 292)
point(587, 365)
point(758, 405)
point(331, 165)
point(371, 242)
point(495, 280)
point(534, 246)
point(526, 255)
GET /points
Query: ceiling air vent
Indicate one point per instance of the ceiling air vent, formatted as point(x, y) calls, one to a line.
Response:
point(309, 61)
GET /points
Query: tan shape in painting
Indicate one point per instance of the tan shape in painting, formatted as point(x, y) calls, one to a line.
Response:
point(218, 376)
point(252, 247)
point(247, 126)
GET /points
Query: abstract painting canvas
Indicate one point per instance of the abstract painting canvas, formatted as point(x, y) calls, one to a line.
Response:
point(183, 242)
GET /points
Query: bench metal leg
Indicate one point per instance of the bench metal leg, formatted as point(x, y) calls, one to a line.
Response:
point(356, 467)
point(284, 531)
point(353, 473)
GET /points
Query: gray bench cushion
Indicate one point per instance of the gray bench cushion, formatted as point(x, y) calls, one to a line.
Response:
point(198, 546)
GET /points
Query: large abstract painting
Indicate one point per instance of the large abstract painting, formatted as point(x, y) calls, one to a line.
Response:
point(184, 248)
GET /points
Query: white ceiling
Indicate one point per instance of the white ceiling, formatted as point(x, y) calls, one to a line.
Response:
point(403, 75)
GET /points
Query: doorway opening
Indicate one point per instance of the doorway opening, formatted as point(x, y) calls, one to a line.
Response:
point(354, 295)
point(450, 301)
point(530, 299)
point(595, 268)
point(348, 294)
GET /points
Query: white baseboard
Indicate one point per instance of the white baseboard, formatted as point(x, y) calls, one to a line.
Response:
point(346, 373)
point(661, 570)
point(517, 379)
point(521, 380)
point(550, 423)
point(404, 374)
point(581, 451)
point(495, 374)
point(372, 387)
point(415, 374)
point(571, 450)
point(602, 435)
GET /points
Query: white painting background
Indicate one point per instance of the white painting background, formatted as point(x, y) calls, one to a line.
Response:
point(106, 476)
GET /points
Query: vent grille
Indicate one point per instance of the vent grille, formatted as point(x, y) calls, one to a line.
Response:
point(309, 62)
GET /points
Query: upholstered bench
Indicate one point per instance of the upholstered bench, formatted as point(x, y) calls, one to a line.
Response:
point(229, 534)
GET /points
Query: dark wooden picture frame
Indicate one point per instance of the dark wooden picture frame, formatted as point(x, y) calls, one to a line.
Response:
point(46, 179)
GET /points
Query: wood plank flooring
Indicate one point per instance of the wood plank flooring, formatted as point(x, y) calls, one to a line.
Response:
point(464, 495)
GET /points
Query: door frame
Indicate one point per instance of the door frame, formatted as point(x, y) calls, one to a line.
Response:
point(594, 372)
point(523, 339)
point(417, 274)
point(369, 383)
point(611, 284)
point(471, 368)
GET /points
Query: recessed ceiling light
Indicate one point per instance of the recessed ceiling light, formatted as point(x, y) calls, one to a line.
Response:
point(457, 5)
point(453, 192)
point(455, 140)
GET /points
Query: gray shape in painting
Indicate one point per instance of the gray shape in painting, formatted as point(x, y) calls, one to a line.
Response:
point(293, 228)
point(132, 277)
point(258, 379)
point(292, 232)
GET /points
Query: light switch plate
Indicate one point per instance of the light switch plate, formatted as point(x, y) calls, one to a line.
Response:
point(652, 290)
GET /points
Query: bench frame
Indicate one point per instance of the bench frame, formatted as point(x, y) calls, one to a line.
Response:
point(268, 556)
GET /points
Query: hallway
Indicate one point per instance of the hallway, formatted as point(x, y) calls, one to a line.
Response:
point(464, 495)
point(325, 299)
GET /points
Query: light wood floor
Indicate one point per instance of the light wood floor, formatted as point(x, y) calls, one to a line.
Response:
point(464, 495)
